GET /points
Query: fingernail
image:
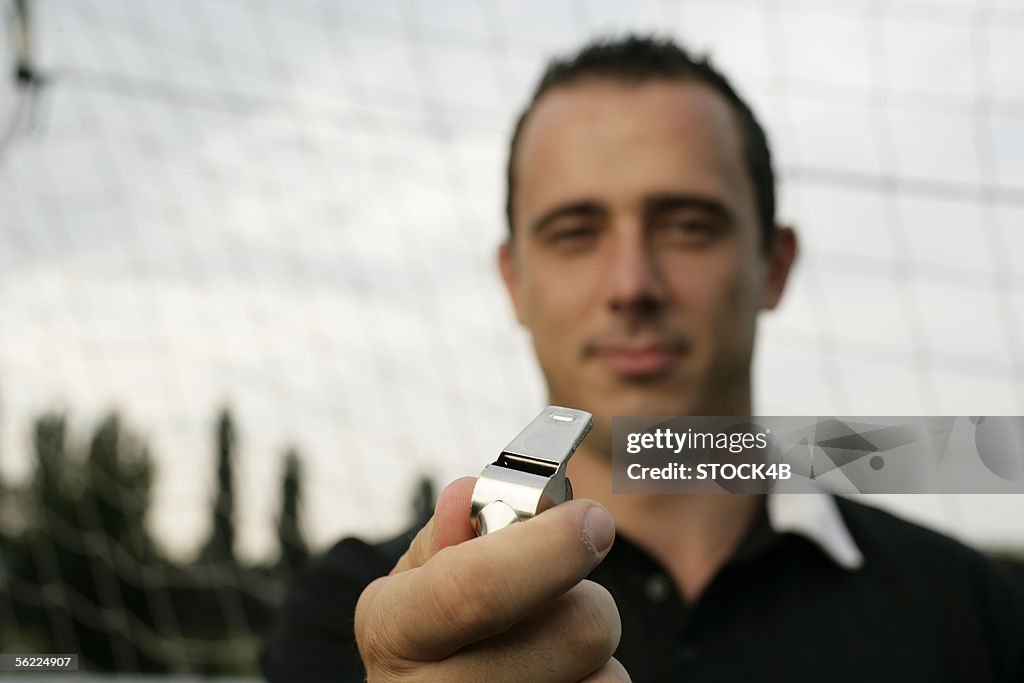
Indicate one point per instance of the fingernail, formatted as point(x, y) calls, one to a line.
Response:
point(599, 529)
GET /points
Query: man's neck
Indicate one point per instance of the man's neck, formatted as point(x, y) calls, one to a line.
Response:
point(692, 536)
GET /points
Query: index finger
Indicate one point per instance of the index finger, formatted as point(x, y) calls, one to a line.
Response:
point(449, 525)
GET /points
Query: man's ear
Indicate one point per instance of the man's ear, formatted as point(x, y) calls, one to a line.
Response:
point(510, 275)
point(781, 257)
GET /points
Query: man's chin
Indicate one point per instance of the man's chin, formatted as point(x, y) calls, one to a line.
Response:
point(608, 396)
point(643, 401)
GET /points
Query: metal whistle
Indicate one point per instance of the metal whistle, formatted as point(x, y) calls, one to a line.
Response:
point(529, 475)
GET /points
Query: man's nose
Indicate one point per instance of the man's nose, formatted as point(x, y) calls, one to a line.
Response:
point(634, 283)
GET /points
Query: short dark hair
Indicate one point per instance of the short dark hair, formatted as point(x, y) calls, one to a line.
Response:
point(635, 59)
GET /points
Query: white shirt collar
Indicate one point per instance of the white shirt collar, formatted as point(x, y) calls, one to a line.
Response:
point(816, 517)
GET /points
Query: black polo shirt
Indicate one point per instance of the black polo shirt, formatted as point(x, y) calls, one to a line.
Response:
point(854, 594)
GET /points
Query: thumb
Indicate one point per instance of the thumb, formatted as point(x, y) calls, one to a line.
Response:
point(449, 525)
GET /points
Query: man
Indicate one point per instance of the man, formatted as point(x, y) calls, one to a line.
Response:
point(642, 247)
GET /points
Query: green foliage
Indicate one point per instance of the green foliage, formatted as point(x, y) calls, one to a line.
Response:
point(53, 504)
point(115, 499)
point(291, 542)
point(220, 548)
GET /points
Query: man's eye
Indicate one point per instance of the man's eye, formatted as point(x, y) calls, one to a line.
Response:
point(690, 230)
point(573, 235)
point(689, 227)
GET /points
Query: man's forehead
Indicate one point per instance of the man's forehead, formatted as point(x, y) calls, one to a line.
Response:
point(674, 104)
point(602, 133)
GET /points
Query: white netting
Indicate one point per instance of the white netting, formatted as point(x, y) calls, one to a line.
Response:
point(291, 208)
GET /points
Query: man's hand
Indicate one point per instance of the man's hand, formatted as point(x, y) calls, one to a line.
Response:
point(509, 606)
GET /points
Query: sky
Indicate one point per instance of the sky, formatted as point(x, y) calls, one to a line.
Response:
point(292, 208)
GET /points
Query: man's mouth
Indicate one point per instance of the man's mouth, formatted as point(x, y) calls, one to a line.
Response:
point(639, 361)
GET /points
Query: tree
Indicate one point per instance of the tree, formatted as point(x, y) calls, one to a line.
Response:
point(423, 501)
point(220, 546)
point(105, 571)
point(118, 476)
point(52, 504)
point(291, 541)
point(35, 558)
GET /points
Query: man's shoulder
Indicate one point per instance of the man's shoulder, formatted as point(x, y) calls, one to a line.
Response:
point(953, 589)
point(883, 536)
point(924, 565)
point(359, 560)
point(346, 568)
point(314, 638)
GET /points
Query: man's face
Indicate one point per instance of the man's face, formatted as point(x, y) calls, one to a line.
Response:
point(636, 259)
